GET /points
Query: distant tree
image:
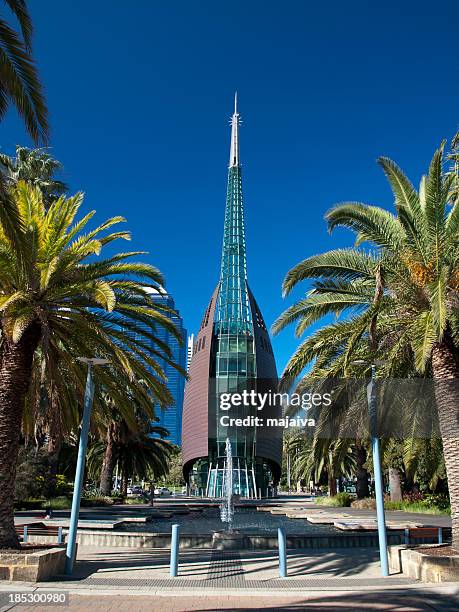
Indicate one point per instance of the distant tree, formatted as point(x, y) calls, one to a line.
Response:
point(37, 168)
point(140, 455)
point(174, 475)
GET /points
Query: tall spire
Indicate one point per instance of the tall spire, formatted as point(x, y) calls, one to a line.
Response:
point(233, 313)
point(234, 151)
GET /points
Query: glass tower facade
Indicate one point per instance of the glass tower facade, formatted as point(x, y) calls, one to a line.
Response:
point(171, 417)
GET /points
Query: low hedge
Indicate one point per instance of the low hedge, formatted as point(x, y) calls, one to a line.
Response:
point(29, 504)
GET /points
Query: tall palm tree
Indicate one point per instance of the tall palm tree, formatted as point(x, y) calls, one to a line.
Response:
point(139, 454)
point(416, 265)
point(56, 298)
point(19, 81)
point(37, 168)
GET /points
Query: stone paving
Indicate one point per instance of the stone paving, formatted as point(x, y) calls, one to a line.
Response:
point(138, 579)
point(210, 569)
point(431, 600)
point(131, 579)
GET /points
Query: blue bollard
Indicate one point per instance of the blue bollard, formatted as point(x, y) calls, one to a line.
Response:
point(175, 540)
point(440, 535)
point(26, 535)
point(59, 535)
point(282, 542)
point(407, 537)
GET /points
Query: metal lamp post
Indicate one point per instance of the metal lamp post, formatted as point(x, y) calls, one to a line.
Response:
point(379, 491)
point(78, 485)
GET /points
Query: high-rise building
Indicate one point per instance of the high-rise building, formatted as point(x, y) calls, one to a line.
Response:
point(232, 352)
point(189, 351)
point(171, 417)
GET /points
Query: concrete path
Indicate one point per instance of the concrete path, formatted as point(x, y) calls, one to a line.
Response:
point(110, 567)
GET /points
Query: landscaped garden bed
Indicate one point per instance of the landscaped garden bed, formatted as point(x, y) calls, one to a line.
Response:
point(32, 563)
point(429, 563)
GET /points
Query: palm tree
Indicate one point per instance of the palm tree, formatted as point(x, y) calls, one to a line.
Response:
point(58, 299)
point(139, 454)
point(20, 86)
point(291, 444)
point(415, 273)
point(335, 458)
point(115, 422)
point(19, 82)
point(37, 168)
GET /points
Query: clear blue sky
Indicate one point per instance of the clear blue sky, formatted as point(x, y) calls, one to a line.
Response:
point(140, 95)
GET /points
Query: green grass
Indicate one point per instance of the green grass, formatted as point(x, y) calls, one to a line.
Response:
point(58, 503)
point(134, 500)
point(343, 500)
point(421, 507)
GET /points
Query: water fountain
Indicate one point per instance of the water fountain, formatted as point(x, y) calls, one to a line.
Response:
point(230, 538)
point(227, 506)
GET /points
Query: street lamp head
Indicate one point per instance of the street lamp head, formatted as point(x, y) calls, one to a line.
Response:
point(377, 362)
point(93, 360)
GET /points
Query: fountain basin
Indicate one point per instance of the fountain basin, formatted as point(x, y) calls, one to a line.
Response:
point(228, 540)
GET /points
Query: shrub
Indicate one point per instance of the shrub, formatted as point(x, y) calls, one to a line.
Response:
point(102, 500)
point(29, 504)
point(63, 487)
point(368, 503)
point(341, 500)
point(32, 468)
point(438, 500)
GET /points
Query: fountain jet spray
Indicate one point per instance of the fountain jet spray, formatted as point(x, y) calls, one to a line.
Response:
point(227, 507)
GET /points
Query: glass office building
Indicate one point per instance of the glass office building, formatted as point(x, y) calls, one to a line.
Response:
point(171, 417)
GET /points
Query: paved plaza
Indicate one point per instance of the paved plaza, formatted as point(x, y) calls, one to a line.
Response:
point(138, 579)
point(121, 578)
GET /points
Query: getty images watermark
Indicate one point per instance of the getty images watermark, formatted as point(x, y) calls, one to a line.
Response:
point(264, 401)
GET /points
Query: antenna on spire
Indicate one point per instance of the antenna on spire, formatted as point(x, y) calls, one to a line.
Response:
point(234, 150)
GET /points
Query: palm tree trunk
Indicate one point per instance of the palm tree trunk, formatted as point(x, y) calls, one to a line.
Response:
point(361, 472)
point(395, 484)
point(54, 447)
point(108, 464)
point(446, 371)
point(124, 484)
point(331, 485)
point(15, 373)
